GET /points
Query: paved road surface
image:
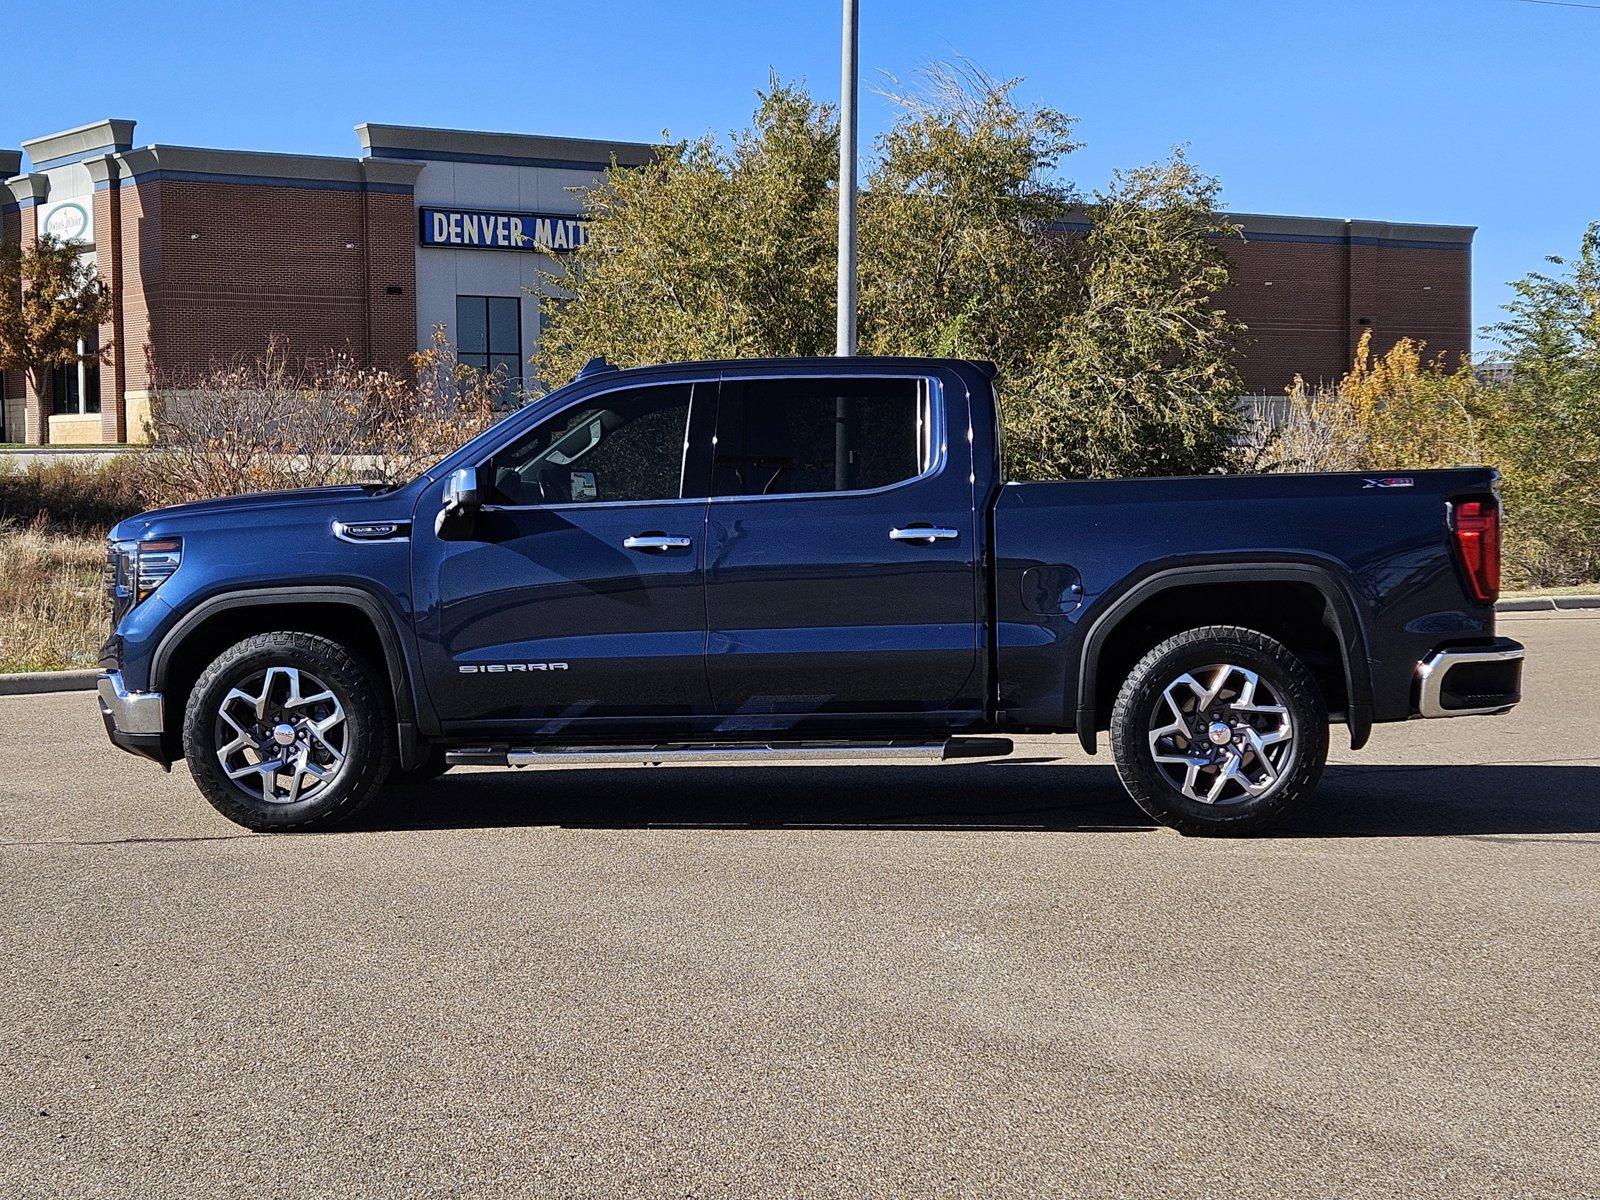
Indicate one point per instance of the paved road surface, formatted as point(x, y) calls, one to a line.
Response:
point(979, 979)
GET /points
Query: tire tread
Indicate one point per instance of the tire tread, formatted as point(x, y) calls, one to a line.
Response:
point(1160, 802)
point(355, 792)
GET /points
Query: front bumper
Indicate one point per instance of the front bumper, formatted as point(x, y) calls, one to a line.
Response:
point(1470, 681)
point(135, 721)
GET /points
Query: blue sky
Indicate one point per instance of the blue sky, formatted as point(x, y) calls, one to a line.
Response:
point(1475, 112)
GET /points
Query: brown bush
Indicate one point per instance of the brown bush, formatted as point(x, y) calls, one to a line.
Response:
point(273, 424)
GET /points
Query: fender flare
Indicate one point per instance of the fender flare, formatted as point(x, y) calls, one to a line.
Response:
point(1347, 626)
point(395, 661)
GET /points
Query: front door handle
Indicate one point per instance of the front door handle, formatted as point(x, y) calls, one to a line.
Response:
point(656, 541)
point(924, 533)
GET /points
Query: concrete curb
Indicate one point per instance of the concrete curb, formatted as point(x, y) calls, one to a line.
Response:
point(1548, 604)
point(33, 683)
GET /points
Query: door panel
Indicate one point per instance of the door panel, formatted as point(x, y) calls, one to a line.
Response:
point(578, 592)
point(562, 621)
point(812, 606)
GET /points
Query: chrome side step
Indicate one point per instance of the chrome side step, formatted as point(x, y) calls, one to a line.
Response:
point(697, 753)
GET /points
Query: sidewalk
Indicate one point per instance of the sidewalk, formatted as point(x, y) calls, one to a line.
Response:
point(1518, 604)
point(34, 683)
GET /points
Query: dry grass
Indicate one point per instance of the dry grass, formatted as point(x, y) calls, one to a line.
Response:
point(70, 495)
point(52, 607)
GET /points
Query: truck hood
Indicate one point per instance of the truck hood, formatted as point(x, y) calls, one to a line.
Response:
point(240, 510)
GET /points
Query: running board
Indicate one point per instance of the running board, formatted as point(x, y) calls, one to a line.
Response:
point(665, 753)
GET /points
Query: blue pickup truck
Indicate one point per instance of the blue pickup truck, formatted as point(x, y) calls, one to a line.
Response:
point(789, 559)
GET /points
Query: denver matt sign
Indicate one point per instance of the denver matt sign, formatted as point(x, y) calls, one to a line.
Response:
point(474, 229)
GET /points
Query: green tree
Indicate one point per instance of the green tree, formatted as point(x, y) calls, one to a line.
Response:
point(1112, 359)
point(1545, 433)
point(1552, 332)
point(50, 300)
point(1139, 377)
point(709, 251)
point(962, 237)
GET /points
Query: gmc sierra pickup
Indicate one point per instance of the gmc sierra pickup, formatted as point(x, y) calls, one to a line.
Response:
point(791, 558)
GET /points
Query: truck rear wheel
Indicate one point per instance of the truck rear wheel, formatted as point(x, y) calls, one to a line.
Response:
point(1219, 730)
point(288, 731)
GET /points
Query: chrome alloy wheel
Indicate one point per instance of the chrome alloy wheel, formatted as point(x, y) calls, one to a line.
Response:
point(281, 735)
point(1219, 735)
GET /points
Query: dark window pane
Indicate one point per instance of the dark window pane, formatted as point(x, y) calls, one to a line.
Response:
point(480, 361)
point(783, 436)
point(91, 373)
point(620, 446)
point(472, 331)
point(505, 335)
point(64, 390)
point(91, 383)
point(508, 366)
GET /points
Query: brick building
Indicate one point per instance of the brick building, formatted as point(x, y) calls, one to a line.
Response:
point(1309, 287)
point(211, 253)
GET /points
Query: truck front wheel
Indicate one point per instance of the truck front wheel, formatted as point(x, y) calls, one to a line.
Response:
point(288, 731)
point(1219, 730)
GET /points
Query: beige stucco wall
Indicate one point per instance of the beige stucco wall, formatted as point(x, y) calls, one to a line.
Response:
point(70, 428)
point(136, 407)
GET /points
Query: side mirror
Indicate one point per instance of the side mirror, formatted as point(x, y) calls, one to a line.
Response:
point(464, 491)
point(464, 495)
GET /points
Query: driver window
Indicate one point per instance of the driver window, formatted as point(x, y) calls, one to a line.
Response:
point(624, 445)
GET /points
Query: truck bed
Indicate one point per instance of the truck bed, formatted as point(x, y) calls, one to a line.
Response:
point(1068, 553)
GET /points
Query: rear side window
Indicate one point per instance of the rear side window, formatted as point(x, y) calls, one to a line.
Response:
point(623, 445)
point(785, 436)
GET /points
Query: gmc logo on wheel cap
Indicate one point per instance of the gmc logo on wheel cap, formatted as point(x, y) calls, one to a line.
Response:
point(502, 668)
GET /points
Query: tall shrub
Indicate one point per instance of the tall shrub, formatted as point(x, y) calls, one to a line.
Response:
point(1112, 359)
point(273, 424)
point(1547, 435)
point(1400, 410)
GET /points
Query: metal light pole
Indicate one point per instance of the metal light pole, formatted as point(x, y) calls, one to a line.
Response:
point(846, 335)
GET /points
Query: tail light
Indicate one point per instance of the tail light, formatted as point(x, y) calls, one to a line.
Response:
point(1475, 526)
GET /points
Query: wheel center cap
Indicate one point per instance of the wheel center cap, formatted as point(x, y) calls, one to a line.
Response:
point(1220, 733)
point(283, 734)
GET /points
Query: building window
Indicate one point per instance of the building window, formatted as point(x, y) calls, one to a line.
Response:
point(489, 336)
point(75, 389)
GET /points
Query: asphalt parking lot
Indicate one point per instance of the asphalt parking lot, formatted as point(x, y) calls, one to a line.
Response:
point(977, 979)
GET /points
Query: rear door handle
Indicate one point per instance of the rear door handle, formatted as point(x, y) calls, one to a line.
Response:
point(656, 541)
point(924, 533)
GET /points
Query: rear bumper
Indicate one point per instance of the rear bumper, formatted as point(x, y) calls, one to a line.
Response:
point(135, 721)
point(1470, 681)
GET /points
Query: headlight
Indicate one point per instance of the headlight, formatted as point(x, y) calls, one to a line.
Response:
point(154, 561)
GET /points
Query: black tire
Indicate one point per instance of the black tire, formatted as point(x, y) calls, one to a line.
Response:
point(364, 735)
point(1280, 773)
point(432, 767)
